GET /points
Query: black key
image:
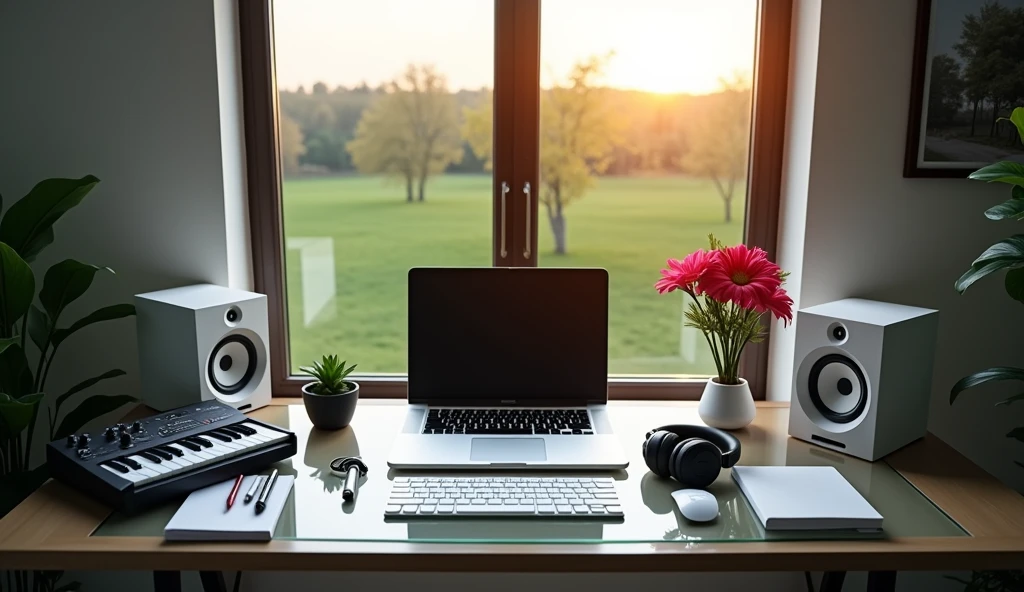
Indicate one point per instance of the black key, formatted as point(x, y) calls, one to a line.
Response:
point(229, 433)
point(130, 462)
point(202, 441)
point(217, 435)
point(117, 466)
point(150, 456)
point(234, 432)
point(577, 431)
point(189, 444)
point(171, 450)
point(244, 429)
point(161, 453)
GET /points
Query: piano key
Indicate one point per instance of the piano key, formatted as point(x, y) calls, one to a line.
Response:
point(171, 449)
point(234, 430)
point(131, 463)
point(148, 464)
point(266, 432)
point(248, 431)
point(186, 443)
point(204, 442)
point(120, 468)
point(229, 433)
point(230, 444)
point(188, 453)
point(149, 456)
point(163, 454)
point(130, 475)
point(217, 435)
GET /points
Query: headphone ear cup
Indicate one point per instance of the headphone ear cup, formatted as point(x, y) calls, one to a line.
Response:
point(696, 463)
point(657, 450)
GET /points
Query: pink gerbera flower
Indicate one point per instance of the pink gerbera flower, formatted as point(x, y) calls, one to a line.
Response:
point(780, 305)
point(742, 276)
point(683, 275)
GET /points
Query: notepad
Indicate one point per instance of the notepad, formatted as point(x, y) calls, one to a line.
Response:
point(204, 515)
point(805, 498)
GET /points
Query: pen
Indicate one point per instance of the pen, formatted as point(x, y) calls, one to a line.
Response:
point(261, 504)
point(234, 491)
point(253, 488)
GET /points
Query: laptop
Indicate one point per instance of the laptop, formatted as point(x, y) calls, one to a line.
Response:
point(508, 369)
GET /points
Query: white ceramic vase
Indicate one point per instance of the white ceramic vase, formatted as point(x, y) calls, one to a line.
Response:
point(726, 406)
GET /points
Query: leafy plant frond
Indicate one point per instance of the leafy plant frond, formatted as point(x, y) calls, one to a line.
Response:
point(991, 375)
point(330, 375)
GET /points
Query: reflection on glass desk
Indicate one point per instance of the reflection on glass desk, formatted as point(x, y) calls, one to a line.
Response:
point(316, 510)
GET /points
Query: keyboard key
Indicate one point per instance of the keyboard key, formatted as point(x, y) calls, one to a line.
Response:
point(392, 509)
point(410, 509)
point(564, 509)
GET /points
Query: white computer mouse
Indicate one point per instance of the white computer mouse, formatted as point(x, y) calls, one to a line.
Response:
point(696, 505)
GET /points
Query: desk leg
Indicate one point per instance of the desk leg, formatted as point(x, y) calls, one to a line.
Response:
point(213, 581)
point(166, 581)
point(881, 581)
point(832, 581)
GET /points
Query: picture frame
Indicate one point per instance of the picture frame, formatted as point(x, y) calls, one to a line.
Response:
point(962, 82)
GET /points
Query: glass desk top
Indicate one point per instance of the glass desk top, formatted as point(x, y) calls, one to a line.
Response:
point(315, 509)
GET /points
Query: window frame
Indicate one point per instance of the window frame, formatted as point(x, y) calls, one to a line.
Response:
point(515, 158)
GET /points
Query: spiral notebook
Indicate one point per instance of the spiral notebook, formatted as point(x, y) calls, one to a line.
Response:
point(805, 498)
point(205, 517)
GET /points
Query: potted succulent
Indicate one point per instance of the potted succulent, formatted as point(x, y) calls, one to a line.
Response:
point(730, 290)
point(330, 400)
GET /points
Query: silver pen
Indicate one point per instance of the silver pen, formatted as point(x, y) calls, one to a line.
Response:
point(261, 503)
point(253, 488)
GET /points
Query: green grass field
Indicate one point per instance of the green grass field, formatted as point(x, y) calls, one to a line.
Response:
point(629, 226)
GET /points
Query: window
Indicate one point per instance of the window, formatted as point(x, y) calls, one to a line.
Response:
point(564, 133)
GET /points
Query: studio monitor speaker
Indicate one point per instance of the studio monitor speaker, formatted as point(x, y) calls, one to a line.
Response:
point(203, 342)
point(862, 376)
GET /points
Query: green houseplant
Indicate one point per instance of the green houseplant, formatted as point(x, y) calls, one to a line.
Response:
point(1006, 254)
point(31, 334)
point(330, 400)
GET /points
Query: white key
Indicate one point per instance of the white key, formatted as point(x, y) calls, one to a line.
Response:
point(425, 509)
point(128, 476)
point(392, 509)
point(545, 509)
point(564, 509)
point(409, 509)
point(445, 509)
point(230, 444)
point(613, 509)
point(273, 435)
point(490, 510)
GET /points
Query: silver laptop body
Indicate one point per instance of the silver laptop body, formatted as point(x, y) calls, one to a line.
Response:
point(508, 369)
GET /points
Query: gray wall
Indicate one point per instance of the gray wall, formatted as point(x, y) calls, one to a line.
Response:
point(868, 232)
point(142, 94)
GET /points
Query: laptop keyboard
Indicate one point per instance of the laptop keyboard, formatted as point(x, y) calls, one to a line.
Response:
point(508, 421)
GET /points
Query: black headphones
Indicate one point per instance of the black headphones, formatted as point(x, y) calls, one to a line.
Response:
point(693, 455)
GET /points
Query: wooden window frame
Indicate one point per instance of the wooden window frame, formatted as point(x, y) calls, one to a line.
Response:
point(516, 161)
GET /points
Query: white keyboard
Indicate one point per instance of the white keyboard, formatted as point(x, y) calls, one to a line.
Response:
point(544, 497)
point(191, 453)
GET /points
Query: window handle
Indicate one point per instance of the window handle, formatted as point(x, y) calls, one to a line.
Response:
point(526, 249)
point(504, 191)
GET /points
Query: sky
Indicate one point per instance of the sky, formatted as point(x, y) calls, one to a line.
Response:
point(666, 46)
point(947, 22)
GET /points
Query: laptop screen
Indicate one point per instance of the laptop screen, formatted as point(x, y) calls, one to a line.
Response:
point(488, 335)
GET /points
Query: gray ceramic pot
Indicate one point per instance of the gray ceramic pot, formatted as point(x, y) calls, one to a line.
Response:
point(330, 412)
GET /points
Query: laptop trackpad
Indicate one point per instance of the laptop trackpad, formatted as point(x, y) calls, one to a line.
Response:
point(508, 449)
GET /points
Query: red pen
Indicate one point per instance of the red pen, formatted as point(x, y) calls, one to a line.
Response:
point(234, 491)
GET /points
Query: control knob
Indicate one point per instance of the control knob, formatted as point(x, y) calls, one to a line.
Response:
point(83, 440)
point(137, 427)
point(126, 440)
point(72, 440)
point(109, 433)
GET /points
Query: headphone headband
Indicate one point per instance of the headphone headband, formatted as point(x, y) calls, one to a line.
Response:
point(726, 442)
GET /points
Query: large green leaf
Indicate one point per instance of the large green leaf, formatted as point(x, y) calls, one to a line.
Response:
point(1014, 283)
point(1001, 172)
point(15, 375)
point(17, 286)
point(990, 375)
point(1011, 400)
point(7, 342)
point(1007, 253)
point(107, 313)
point(1017, 119)
point(88, 410)
point(28, 224)
point(1012, 208)
point(64, 283)
point(86, 384)
point(38, 326)
point(15, 414)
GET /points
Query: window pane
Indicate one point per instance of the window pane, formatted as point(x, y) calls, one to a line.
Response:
point(645, 128)
point(378, 176)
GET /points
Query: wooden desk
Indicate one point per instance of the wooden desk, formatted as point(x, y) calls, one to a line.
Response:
point(52, 528)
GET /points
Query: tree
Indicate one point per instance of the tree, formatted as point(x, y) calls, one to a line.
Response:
point(946, 93)
point(292, 146)
point(411, 131)
point(579, 129)
point(720, 137)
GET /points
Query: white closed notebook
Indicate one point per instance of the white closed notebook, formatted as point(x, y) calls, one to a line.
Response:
point(805, 498)
point(205, 516)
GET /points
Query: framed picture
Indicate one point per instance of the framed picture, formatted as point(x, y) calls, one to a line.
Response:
point(967, 74)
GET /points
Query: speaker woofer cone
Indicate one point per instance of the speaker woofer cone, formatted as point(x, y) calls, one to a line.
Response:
point(837, 388)
point(232, 364)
